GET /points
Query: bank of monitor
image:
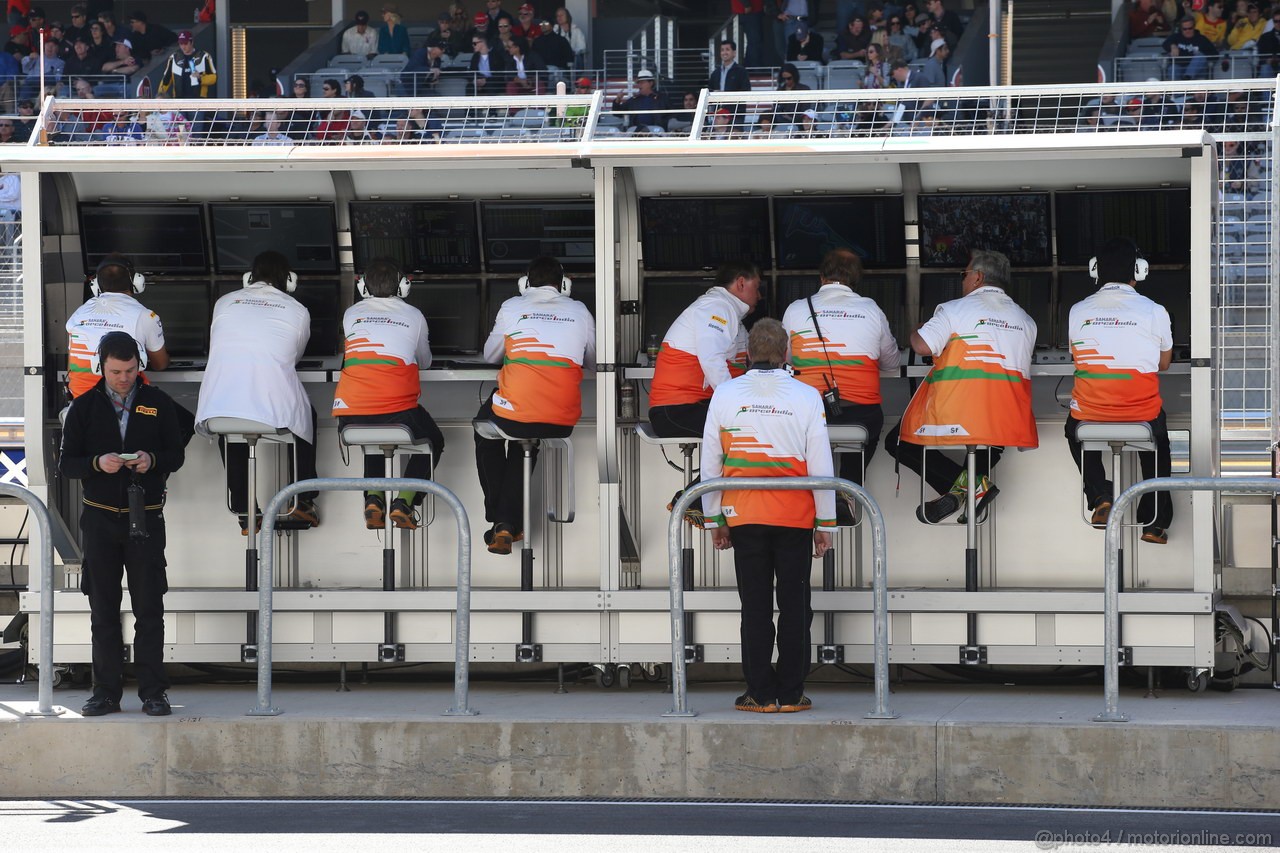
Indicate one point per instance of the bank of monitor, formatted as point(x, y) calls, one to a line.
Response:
point(664, 299)
point(1157, 220)
point(430, 237)
point(871, 226)
point(516, 232)
point(679, 234)
point(185, 310)
point(322, 299)
point(158, 238)
point(453, 312)
point(952, 225)
point(1031, 290)
point(305, 233)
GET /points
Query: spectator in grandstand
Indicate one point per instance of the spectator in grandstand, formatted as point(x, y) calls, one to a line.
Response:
point(572, 33)
point(301, 120)
point(58, 34)
point(332, 126)
point(485, 29)
point(488, 67)
point(553, 48)
point(1146, 19)
point(1117, 334)
point(393, 36)
point(81, 63)
point(766, 423)
point(947, 20)
point(360, 39)
point(455, 42)
point(683, 120)
point(1135, 115)
point(527, 70)
point(427, 61)
point(121, 413)
point(840, 342)
point(272, 131)
point(206, 13)
point(101, 47)
point(1189, 52)
point(19, 42)
point(494, 12)
point(7, 134)
point(359, 132)
point(545, 340)
point(805, 45)
point(852, 43)
point(503, 29)
point(730, 76)
point(148, 40)
point(526, 25)
point(791, 14)
point(644, 106)
point(934, 73)
point(789, 112)
point(124, 62)
point(33, 65)
point(878, 73)
point(970, 396)
point(11, 70)
point(79, 23)
point(109, 24)
point(83, 125)
point(353, 86)
point(415, 126)
point(1269, 46)
point(1246, 31)
point(24, 125)
point(165, 126)
point(1212, 23)
point(750, 15)
point(899, 40)
point(386, 347)
point(462, 23)
point(189, 73)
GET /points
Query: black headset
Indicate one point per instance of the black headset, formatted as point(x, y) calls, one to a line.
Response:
point(136, 279)
point(116, 335)
point(1140, 265)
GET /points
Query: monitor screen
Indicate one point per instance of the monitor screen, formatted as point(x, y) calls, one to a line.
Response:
point(323, 301)
point(1170, 288)
point(952, 226)
point(872, 227)
point(185, 312)
point(158, 238)
point(664, 299)
point(888, 291)
point(304, 233)
point(1158, 220)
point(452, 309)
point(680, 234)
point(431, 237)
point(517, 232)
point(1031, 290)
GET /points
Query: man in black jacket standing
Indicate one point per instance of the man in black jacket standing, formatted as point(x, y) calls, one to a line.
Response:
point(123, 439)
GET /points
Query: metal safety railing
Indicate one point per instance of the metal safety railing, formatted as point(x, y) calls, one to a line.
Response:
point(1111, 591)
point(44, 694)
point(879, 577)
point(462, 620)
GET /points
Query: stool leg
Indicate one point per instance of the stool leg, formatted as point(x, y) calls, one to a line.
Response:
point(1116, 462)
point(526, 551)
point(388, 552)
point(251, 534)
point(971, 538)
point(686, 553)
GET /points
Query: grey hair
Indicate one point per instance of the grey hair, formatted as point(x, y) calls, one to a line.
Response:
point(767, 341)
point(994, 266)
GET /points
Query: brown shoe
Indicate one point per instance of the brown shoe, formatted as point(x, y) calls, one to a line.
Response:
point(804, 703)
point(499, 539)
point(402, 515)
point(746, 702)
point(374, 508)
point(305, 511)
point(1156, 536)
point(1101, 513)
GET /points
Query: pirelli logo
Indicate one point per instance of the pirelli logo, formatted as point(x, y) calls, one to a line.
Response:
point(719, 319)
point(146, 410)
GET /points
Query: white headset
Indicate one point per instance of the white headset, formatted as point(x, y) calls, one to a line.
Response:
point(566, 285)
point(290, 283)
point(1140, 266)
point(402, 287)
point(137, 280)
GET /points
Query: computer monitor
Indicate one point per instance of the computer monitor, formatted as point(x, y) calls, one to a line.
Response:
point(185, 312)
point(664, 299)
point(686, 234)
point(516, 232)
point(322, 299)
point(1157, 220)
point(952, 225)
point(429, 237)
point(304, 233)
point(452, 309)
point(872, 227)
point(157, 238)
point(1031, 290)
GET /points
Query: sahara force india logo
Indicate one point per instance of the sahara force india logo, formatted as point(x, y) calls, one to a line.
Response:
point(1109, 322)
point(997, 323)
point(761, 409)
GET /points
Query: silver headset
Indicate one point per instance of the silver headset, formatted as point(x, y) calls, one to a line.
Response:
point(402, 287)
point(136, 279)
point(290, 283)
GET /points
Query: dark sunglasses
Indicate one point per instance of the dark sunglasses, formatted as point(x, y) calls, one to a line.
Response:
point(788, 78)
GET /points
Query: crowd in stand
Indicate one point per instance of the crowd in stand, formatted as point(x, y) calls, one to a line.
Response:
point(1198, 33)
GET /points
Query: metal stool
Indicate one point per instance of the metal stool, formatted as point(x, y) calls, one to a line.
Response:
point(243, 430)
point(389, 439)
point(845, 438)
point(849, 438)
point(1118, 438)
point(687, 445)
point(528, 651)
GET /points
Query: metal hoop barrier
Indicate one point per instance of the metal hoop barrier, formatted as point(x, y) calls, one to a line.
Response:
point(266, 575)
point(44, 695)
point(1111, 593)
point(879, 578)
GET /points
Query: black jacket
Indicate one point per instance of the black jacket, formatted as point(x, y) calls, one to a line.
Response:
point(92, 430)
point(735, 81)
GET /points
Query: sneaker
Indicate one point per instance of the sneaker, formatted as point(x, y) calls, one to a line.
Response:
point(157, 706)
point(986, 493)
point(100, 706)
point(846, 512)
point(940, 508)
point(1101, 512)
point(499, 539)
point(402, 515)
point(244, 524)
point(306, 512)
point(374, 507)
point(745, 702)
point(804, 703)
point(1155, 535)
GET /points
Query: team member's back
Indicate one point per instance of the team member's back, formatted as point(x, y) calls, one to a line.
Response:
point(112, 308)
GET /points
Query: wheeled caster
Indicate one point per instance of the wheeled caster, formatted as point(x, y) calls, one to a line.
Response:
point(606, 674)
point(652, 672)
point(624, 676)
point(1197, 680)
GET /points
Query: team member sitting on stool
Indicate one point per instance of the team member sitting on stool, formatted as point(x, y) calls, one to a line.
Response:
point(840, 341)
point(978, 392)
point(766, 424)
point(386, 346)
point(258, 335)
point(545, 340)
point(1120, 341)
point(122, 439)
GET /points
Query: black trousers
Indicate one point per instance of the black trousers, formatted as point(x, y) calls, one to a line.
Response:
point(109, 556)
point(943, 470)
point(686, 419)
point(421, 425)
point(236, 457)
point(870, 416)
point(501, 466)
point(765, 556)
point(1159, 464)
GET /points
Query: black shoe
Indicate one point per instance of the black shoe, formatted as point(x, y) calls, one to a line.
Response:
point(846, 512)
point(305, 512)
point(987, 492)
point(402, 515)
point(804, 703)
point(374, 507)
point(156, 706)
point(939, 509)
point(100, 706)
point(746, 702)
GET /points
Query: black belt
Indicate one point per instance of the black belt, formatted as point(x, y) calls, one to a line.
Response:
point(118, 510)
